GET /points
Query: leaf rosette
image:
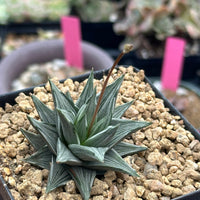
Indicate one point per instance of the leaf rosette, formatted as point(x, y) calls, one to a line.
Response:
point(69, 148)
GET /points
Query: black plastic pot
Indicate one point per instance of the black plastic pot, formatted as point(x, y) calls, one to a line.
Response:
point(153, 66)
point(101, 33)
point(9, 98)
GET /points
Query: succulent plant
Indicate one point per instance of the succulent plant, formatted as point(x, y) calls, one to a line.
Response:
point(79, 139)
point(159, 19)
point(36, 10)
point(94, 11)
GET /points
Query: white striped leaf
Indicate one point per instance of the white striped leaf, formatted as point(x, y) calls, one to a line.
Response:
point(124, 148)
point(87, 91)
point(47, 131)
point(120, 110)
point(126, 127)
point(109, 98)
point(88, 153)
point(67, 128)
point(62, 101)
point(64, 155)
point(46, 114)
point(41, 158)
point(112, 161)
point(58, 176)
point(102, 138)
point(84, 179)
point(36, 140)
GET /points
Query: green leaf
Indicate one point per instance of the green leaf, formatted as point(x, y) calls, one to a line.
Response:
point(109, 98)
point(81, 113)
point(100, 125)
point(67, 128)
point(112, 161)
point(120, 110)
point(47, 131)
point(91, 102)
point(124, 148)
point(87, 91)
point(64, 155)
point(102, 138)
point(88, 153)
point(41, 158)
point(126, 127)
point(69, 97)
point(46, 114)
point(62, 101)
point(36, 140)
point(58, 176)
point(81, 123)
point(84, 179)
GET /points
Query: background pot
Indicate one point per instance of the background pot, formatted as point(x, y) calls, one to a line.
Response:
point(43, 51)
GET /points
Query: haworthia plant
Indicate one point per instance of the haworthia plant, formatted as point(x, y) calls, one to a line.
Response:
point(71, 146)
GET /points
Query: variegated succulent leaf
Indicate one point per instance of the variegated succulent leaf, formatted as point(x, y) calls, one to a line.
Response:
point(64, 139)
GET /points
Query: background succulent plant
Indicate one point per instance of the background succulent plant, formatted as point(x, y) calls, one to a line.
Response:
point(144, 20)
point(34, 10)
point(69, 147)
point(40, 10)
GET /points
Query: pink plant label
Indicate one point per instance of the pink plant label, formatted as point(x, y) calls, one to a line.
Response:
point(71, 29)
point(173, 63)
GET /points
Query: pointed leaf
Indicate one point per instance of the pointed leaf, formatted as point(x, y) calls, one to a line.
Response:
point(100, 125)
point(87, 91)
point(109, 98)
point(126, 127)
point(69, 97)
point(124, 148)
point(58, 176)
point(47, 131)
point(120, 110)
point(102, 138)
point(64, 155)
point(81, 123)
point(67, 127)
point(62, 101)
point(88, 153)
point(112, 161)
point(36, 140)
point(81, 113)
point(46, 114)
point(91, 102)
point(41, 158)
point(84, 179)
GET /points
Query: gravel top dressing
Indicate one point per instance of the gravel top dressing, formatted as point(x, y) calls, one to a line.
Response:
point(168, 169)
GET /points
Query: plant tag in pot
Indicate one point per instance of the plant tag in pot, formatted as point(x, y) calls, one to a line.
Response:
point(72, 41)
point(172, 63)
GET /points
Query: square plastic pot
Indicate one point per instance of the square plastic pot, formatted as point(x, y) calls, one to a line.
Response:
point(10, 98)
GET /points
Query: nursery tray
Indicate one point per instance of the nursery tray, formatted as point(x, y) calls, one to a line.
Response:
point(99, 33)
point(153, 66)
point(31, 27)
point(10, 98)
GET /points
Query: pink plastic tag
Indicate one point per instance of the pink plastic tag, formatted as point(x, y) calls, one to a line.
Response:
point(173, 63)
point(71, 29)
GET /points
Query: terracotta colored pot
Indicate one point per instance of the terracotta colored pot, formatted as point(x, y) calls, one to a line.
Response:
point(43, 51)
